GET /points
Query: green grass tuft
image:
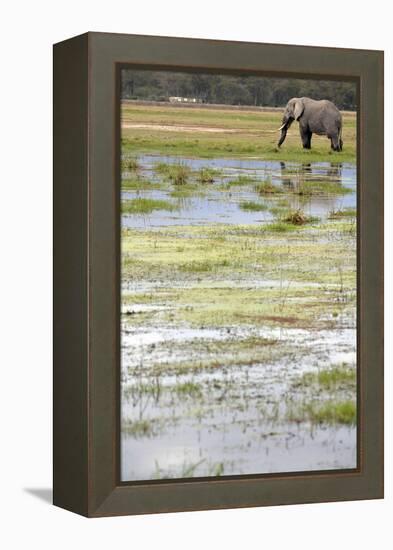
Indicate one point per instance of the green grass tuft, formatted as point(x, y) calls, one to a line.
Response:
point(267, 188)
point(189, 388)
point(130, 164)
point(330, 412)
point(177, 174)
point(162, 168)
point(345, 213)
point(279, 227)
point(343, 412)
point(138, 428)
point(207, 175)
point(253, 206)
point(241, 180)
point(145, 206)
point(137, 184)
point(202, 266)
point(308, 188)
point(339, 376)
point(298, 217)
point(185, 191)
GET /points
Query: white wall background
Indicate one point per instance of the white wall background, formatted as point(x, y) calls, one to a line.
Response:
point(28, 30)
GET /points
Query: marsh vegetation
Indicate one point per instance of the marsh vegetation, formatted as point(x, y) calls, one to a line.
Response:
point(238, 299)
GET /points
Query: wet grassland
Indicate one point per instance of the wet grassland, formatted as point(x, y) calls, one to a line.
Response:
point(211, 133)
point(238, 307)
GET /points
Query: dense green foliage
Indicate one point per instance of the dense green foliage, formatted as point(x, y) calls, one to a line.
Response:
point(233, 90)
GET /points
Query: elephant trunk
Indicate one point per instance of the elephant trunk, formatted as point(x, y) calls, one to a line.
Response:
point(282, 137)
point(284, 128)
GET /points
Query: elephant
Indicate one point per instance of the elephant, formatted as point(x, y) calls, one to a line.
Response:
point(315, 117)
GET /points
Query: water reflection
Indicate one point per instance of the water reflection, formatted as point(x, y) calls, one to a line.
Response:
point(291, 174)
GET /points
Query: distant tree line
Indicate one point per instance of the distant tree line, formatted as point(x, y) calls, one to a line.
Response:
point(233, 90)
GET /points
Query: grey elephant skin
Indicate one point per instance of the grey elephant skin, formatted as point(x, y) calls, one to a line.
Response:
point(319, 117)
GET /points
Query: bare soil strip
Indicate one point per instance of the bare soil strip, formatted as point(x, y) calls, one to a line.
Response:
point(178, 128)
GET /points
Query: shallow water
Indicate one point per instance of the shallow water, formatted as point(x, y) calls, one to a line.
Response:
point(234, 419)
point(240, 439)
point(223, 206)
point(268, 448)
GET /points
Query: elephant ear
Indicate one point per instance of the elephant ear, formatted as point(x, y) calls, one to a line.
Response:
point(298, 109)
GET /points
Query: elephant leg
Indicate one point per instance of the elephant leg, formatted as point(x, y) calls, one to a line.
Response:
point(306, 135)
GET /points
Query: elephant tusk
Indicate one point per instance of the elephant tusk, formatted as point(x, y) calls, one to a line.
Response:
point(281, 127)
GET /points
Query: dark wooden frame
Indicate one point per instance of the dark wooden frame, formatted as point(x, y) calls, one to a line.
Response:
point(86, 274)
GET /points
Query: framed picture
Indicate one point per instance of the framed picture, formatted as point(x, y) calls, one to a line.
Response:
point(218, 274)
